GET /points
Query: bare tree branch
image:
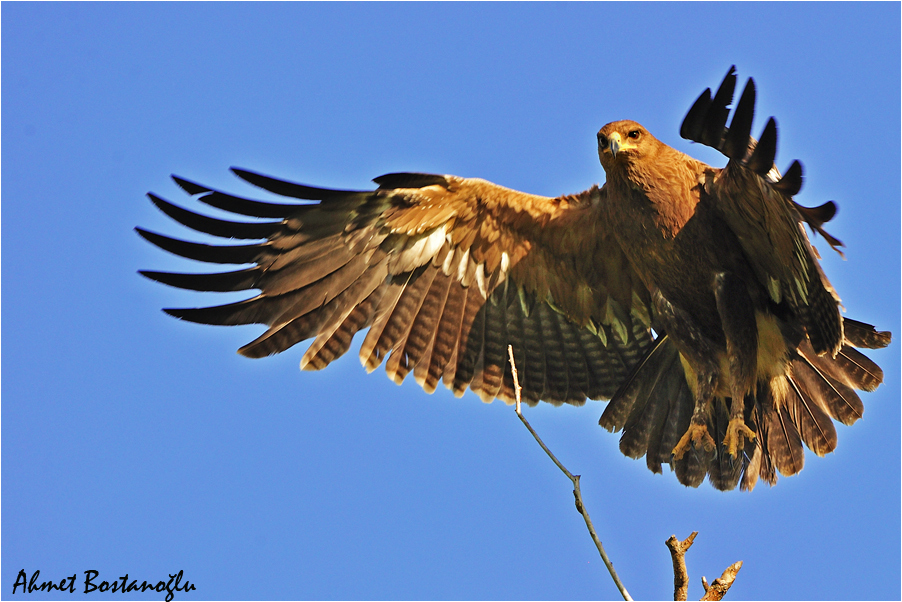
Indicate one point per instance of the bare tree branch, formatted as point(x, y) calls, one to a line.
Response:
point(721, 586)
point(678, 555)
point(715, 591)
point(573, 478)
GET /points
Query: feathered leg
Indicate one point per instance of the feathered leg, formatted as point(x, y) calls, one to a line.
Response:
point(737, 317)
point(698, 355)
point(696, 436)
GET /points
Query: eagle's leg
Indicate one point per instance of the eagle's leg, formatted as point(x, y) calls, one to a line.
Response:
point(697, 434)
point(737, 315)
point(737, 430)
point(699, 353)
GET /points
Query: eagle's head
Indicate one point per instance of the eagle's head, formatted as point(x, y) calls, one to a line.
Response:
point(621, 143)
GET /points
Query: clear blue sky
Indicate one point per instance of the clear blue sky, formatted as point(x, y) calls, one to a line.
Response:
point(132, 442)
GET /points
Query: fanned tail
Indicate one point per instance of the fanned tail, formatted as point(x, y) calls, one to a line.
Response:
point(790, 411)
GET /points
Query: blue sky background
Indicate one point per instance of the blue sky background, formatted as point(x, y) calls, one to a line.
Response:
point(132, 442)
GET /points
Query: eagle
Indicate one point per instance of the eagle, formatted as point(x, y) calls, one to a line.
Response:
point(687, 295)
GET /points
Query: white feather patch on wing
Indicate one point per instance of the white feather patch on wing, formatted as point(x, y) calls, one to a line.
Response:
point(480, 280)
point(505, 263)
point(418, 250)
point(462, 269)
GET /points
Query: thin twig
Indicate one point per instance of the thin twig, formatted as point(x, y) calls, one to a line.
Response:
point(573, 478)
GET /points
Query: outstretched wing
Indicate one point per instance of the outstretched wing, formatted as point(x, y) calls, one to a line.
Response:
point(445, 272)
point(757, 205)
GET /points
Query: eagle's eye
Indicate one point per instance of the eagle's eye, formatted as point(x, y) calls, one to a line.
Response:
point(602, 141)
point(634, 134)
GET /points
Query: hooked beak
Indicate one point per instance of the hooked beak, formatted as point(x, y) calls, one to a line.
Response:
point(615, 143)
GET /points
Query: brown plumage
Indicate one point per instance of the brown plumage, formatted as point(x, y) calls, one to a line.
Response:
point(445, 272)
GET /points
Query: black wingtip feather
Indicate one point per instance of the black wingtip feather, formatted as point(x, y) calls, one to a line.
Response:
point(716, 117)
point(236, 254)
point(198, 315)
point(289, 189)
point(232, 314)
point(791, 182)
point(827, 211)
point(737, 140)
point(763, 158)
point(410, 180)
point(818, 216)
point(188, 186)
point(694, 121)
point(223, 282)
point(248, 207)
point(234, 204)
point(214, 226)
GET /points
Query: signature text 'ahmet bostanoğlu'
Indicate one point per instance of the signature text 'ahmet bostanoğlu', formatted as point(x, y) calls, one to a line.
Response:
point(93, 584)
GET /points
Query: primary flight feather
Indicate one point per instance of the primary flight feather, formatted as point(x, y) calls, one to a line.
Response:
point(688, 295)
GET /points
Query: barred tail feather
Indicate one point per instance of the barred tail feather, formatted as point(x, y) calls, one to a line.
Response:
point(787, 413)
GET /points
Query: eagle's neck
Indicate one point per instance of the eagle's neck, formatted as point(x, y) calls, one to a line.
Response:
point(664, 190)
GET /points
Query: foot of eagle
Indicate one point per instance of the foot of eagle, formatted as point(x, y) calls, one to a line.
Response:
point(695, 434)
point(737, 432)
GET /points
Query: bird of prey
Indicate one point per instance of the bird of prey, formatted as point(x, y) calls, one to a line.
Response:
point(687, 295)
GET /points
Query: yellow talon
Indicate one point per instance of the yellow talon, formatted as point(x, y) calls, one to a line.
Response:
point(696, 433)
point(737, 431)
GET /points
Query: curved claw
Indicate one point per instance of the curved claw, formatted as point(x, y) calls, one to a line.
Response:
point(737, 432)
point(695, 436)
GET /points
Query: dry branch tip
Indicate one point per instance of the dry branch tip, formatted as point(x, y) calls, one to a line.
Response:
point(573, 479)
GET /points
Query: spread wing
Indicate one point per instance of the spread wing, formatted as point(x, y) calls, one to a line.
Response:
point(444, 272)
point(757, 205)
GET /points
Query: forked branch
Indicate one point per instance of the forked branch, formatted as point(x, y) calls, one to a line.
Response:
point(715, 591)
point(678, 556)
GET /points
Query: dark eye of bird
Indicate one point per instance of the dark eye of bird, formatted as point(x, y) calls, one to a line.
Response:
point(602, 140)
point(634, 134)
